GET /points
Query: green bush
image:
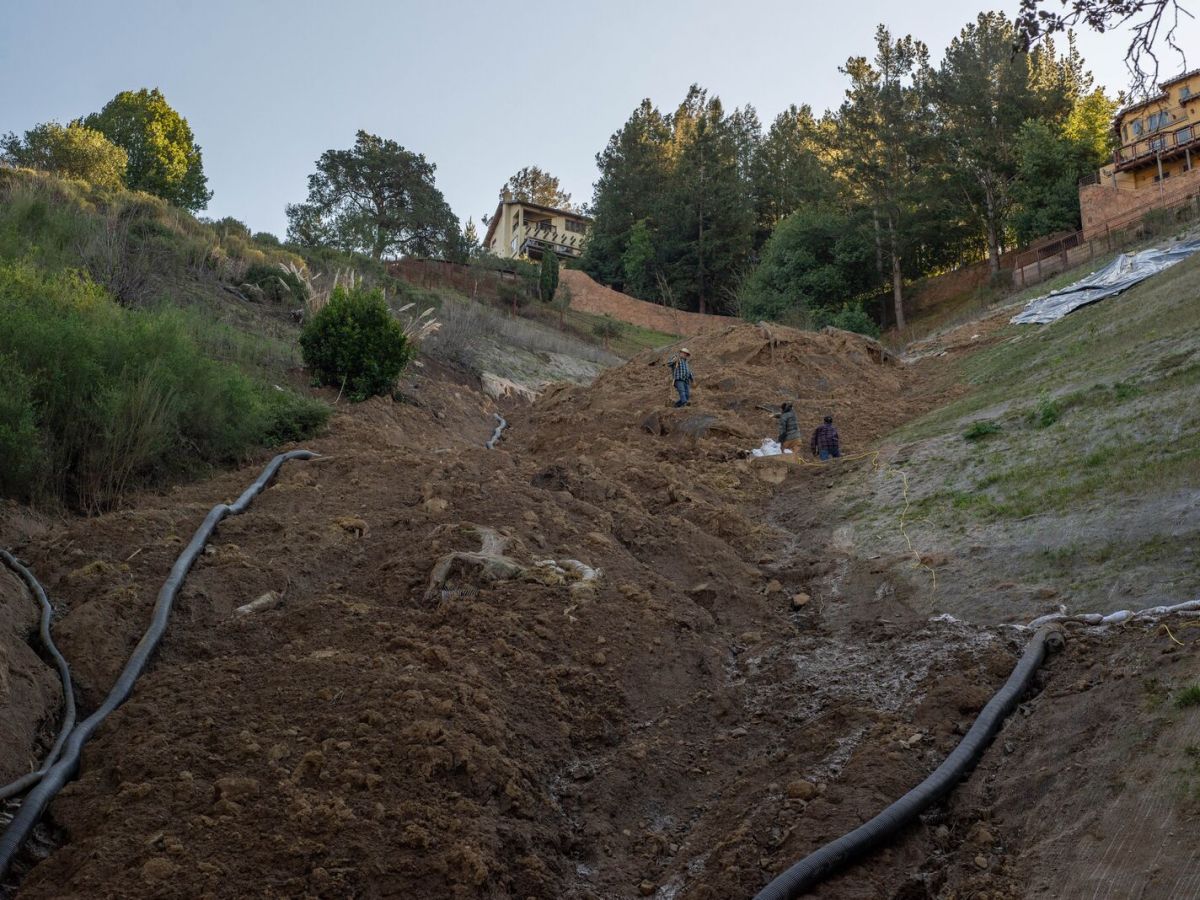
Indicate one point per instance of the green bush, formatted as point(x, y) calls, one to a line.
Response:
point(981, 429)
point(355, 343)
point(277, 283)
point(851, 317)
point(1046, 413)
point(1189, 696)
point(112, 399)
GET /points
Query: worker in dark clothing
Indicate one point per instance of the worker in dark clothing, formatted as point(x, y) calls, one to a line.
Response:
point(825, 441)
point(681, 374)
point(789, 430)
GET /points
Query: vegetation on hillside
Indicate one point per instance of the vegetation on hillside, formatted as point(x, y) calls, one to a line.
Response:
point(376, 198)
point(124, 364)
point(922, 168)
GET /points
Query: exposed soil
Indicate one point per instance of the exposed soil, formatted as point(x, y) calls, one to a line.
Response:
point(417, 717)
point(590, 296)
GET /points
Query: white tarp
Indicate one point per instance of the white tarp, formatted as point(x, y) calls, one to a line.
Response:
point(769, 448)
point(1121, 274)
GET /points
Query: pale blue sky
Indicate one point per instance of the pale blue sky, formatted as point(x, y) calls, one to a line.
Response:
point(480, 88)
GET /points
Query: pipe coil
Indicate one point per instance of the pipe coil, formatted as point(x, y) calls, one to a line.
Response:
point(67, 766)
point(819, 865)
point(64, 675)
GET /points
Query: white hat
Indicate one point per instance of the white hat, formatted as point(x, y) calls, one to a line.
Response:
point(685, 350)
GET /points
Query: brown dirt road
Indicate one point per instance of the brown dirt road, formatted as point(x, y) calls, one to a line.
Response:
point(680, 729)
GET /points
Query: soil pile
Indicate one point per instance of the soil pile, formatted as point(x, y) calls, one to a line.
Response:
point(610, 659)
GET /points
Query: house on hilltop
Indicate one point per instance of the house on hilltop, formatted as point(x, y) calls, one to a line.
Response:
point(522, 230)
point(1159, 143)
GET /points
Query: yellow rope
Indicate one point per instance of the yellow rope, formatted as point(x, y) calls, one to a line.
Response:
point(1171, 636)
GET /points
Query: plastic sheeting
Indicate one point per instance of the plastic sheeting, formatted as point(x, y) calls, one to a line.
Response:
point(770, 448)
point(1121, 274)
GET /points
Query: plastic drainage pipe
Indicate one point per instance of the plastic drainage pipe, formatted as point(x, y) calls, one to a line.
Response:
point(65, 768)
point(25, 782)
point(495, 439)
point(819, 865)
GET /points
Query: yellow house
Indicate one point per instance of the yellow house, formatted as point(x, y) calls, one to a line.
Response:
point(1152, 168)
point(1158, 137)
point(526, 230)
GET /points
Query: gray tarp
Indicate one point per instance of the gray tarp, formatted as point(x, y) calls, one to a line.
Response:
point(1121, 274)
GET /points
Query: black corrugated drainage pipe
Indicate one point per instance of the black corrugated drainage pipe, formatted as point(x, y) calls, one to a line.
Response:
point(819, 865)
point(25, 782)
point(503, 423)
point(66, 768)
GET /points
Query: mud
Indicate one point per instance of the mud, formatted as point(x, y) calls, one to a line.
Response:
point(682, 729)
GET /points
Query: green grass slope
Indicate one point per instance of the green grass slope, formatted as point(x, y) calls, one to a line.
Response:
point(1067, 475)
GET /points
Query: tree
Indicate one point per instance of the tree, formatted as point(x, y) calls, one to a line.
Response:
point(885, 126)
point(984, 95)
point(1034, 24)
point(790, 171)
point(607, 329)
point(639, 262)
point(548, 277)
point(815, 259)
point(534, 185)
point(376, 198)
point(164, 158)
point(470, 239)
point(74, 151)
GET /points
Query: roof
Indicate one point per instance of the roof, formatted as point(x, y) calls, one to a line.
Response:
point(495, 220)
point(1157, 98)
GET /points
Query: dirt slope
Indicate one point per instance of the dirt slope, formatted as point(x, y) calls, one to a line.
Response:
point(592, 297)
point(416, 721)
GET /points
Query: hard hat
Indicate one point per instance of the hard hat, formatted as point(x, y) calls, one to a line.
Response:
point(684, 351)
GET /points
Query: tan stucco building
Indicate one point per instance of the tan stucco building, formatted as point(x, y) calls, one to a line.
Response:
point(1159, 144)
point(521, 230)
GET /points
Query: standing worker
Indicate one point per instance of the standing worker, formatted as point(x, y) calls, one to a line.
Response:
point(789, 430)
point(681, 374)
point(825, 441)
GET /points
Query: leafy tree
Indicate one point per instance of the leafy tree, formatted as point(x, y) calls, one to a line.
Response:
point(74, 151)
point(639, 262)
point(815, 259)
point(607, 329)
point(355, 343)
point(534, 185)
point(376, 198)
point(1049, 166)
point(548, 277)
point(164, 158)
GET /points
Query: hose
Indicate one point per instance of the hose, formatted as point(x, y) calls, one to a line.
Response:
point(819, 865)
point(495, 439)
point(66, 767)
point(64, 674)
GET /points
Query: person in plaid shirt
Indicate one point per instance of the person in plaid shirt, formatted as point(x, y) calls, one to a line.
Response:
point(825, 441)
point(681, 374)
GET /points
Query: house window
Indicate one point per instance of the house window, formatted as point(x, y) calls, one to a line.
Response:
point(1137, 127)
point(577, 227)
point(1183, 135)
point(1184, 93)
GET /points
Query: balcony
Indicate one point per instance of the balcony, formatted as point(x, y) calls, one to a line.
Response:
point(1164, 144)
point(538, 237)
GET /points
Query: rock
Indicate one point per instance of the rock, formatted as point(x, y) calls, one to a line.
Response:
point(801, 790)
point(739, 732)
point(646, 888)
point(269, 600)
point(941, 834)
point(236, 788)
point(774, 586)
point(799, 601)
point(1047, 593)
point(982, 836)
point(981, 861)
point(598, 658)
point(436, 505)
point(158, 868)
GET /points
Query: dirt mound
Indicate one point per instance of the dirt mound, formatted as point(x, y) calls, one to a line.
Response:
point(592, 297)
point(443, 703)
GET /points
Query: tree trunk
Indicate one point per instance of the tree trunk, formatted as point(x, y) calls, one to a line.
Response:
point(878, 245)
point(993, 239)
point(897, 280)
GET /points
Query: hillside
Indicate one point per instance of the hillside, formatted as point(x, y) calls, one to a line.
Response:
point(617, 657)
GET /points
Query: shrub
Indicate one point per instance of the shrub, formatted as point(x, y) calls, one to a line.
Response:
point(118, 398)
point(74, 151)
point(851, 317)
point(1046, 413)
point(1189, 696)
point(548, 277)
point(355, 343)
point(981, 429)
point(607, 329)
point(277, 283)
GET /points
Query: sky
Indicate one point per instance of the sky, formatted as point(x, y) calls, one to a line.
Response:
point(482, 89)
